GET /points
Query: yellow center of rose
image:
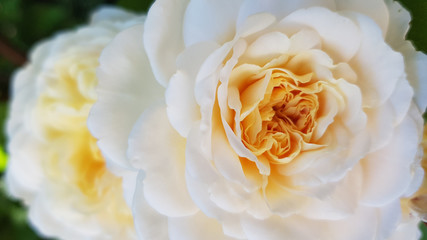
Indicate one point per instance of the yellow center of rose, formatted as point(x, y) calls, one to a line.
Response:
point(286, 115)
point(282, 110)
point(74, 162)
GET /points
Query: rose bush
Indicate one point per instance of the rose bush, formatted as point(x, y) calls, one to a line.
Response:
point(280, 119)
point(55, 166)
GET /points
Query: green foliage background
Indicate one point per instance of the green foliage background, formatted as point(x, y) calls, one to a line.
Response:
point(25, 22)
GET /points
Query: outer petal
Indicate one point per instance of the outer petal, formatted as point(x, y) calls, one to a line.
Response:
point(377, 66)
point(51, 223)
point(340, 36)
point(387, 172)
point(50, 208)
point(163, 38)
point(395, 110)
point(210, 21)
point(280, 9)
point(277, 228)
point(209, 191)
point(389, 217)
point(415, 66)
point(399, 24)
point(350, 228)
point(149, 223)
point(106, 13)
point(20, 146)
point(407, 229)
point(195, 227)
point(375, 9)
point(124, 91)
point(24, 175)
point(156, 148)
point(415, 62)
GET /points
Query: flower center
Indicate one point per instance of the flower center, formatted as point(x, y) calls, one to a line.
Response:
point(284, 118)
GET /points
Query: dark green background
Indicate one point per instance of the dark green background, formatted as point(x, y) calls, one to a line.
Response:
point(25, 22)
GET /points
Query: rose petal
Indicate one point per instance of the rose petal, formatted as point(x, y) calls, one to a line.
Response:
point(182, 108)
point(123, 93)
point(304, 40)
point(283, 202)
point(399, 19)
point(389, 218)
point(207, 188)
point(375, 9)
point(350, 228)
point(226, 196)
point(407, 229)
point(197, 156)
point(163, 38)
point(342, 153)
point(353, 116)
point(52, 226)
point(206, 83)
point(414, 61)
point(401, 100)
point(417, 170)
point(106, 13)
point(276, 228)
point(378, 67)
point(394, 162)
point(235, 141)
point(267, 47)
point(380, 131)
point(255, 23)
point(195, 227)
point(210, 21)
point(165, 189)
point(340, 36)
point(23, 149)
point(341, 203)
point(26, 155)
point(149, 224)
point(416, 71)
point(279, 9)
point(23, 95)
point(227, 161)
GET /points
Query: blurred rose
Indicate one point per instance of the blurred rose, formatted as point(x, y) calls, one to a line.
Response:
point(55, 166)
point(283, 119)
point(418, 202)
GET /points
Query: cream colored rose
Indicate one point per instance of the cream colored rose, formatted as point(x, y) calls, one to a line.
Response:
point(282, 120)
point(418, 202)
point(55, 166)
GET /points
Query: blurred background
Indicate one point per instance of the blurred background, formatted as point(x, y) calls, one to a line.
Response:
point(25, 22)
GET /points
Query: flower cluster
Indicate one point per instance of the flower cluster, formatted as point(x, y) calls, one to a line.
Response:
point(225, 119)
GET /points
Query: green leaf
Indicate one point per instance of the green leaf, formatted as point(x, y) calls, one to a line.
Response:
point(135, 5)
point(423, 228)
point(3, 160)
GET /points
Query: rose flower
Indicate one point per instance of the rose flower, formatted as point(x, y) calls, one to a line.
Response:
point(281, 119)
point(55, 166)
point(418, 202)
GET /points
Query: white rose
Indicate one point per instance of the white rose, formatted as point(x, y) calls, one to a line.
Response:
point(283, 119)
point(418, 202)
point(55, 166)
